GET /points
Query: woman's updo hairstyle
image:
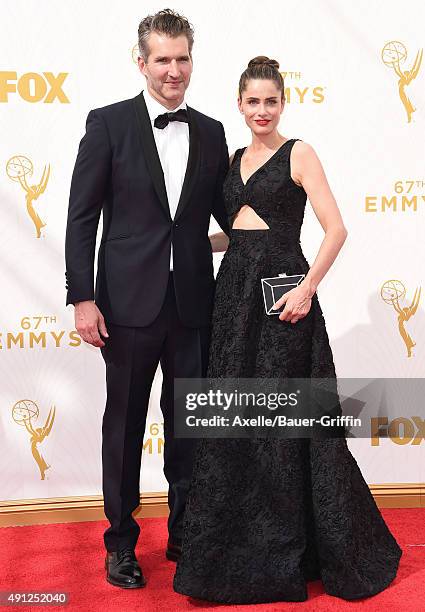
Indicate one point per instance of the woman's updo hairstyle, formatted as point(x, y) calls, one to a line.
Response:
point(262, 67)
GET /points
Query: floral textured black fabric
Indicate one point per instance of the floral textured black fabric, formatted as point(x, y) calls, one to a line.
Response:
point(264, 516)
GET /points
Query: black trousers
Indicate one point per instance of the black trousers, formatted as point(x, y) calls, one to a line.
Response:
point(131, 356)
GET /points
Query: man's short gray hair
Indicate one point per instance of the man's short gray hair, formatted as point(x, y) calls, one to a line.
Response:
point(166, 22)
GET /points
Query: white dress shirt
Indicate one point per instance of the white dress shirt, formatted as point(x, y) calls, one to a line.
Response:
point(172, 143)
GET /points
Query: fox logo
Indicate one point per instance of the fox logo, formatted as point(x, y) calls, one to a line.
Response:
point(33, 87)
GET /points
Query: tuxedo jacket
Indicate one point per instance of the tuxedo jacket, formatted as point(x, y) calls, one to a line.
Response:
point(118, 173)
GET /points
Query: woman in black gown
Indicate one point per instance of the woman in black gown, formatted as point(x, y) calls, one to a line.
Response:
point(264, 516)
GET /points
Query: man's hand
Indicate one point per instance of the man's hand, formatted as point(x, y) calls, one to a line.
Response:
point(89, 322)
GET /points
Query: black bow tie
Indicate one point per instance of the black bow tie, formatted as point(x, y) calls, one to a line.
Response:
point(163, 120)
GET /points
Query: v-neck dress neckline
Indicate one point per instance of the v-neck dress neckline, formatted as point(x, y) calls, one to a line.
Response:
point(262, 165)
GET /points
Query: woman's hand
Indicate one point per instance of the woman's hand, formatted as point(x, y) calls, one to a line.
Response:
point(297, 304)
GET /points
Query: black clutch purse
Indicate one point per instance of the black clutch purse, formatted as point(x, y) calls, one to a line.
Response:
point(274, 288)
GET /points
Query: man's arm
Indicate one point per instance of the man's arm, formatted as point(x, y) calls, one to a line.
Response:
point(219, 210)
point(90, 178)
point(89, 181)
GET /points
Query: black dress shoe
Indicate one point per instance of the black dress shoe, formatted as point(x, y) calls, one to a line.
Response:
point(174, 550)
point(123, 569)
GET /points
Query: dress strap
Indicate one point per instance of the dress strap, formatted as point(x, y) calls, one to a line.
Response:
point(236, 154)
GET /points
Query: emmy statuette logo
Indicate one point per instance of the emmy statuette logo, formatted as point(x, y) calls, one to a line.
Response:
point(135, 53)
point(393, 54)
point(391, 292)
point(24, 413)
point(18, 168)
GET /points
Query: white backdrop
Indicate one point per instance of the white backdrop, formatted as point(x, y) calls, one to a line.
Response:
point(339, 60)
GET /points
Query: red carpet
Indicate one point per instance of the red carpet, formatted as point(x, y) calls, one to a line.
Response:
point(69, 557)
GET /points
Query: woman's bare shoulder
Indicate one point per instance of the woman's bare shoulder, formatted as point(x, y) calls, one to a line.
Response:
point(302, 156)
point(303, 152)
point(303, 149)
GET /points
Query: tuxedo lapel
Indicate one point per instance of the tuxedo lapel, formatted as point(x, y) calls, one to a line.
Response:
point(154, 164)
point(192, 169)
point(150, 151)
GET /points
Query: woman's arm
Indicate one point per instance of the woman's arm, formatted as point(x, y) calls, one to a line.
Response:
point(308, 172)
point(220, 241)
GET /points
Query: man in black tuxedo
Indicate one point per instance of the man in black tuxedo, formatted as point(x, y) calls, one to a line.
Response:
point(155, 168)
